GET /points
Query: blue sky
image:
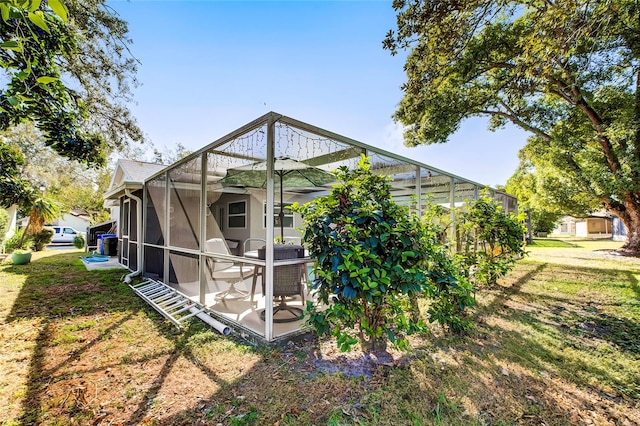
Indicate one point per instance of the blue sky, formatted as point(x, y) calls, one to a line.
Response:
point(208, 67)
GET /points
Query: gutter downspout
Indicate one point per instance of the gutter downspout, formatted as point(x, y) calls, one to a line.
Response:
point(127, 279)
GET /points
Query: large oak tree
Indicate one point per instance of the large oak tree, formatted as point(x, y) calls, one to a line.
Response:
point(565, 70)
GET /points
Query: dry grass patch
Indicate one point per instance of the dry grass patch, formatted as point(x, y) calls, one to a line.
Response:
point(556, 343)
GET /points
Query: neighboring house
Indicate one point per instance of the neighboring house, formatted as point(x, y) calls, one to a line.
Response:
point(566, 225)
point(76, 219)
point(596, 225)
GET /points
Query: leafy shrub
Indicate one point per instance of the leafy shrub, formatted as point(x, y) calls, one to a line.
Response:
point(543, 221)
point(42, 238)
point(78, 241)
point(489, 240)
point(12, 243)
point(372, 259)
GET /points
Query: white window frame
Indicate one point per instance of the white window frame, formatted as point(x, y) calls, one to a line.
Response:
point(229, 215)
point(127, 219)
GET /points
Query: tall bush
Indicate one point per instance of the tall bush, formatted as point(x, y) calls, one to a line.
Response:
point(372, 257)
point(42, 210)
point(17, 241)
point(489, 241)
point(78, 241)
point(42, 238)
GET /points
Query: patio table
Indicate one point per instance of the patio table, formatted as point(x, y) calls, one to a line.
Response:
point(254, 254)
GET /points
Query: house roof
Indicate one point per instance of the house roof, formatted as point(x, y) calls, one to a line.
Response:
point(129, 174)
point(602, 214)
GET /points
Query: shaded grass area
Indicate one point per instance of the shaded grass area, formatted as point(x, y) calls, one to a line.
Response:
point(556, 343)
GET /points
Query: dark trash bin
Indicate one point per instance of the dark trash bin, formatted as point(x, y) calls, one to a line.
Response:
point(101, 243)
point(110, 245)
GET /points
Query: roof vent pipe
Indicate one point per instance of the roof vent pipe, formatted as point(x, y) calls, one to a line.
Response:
point(127, 279)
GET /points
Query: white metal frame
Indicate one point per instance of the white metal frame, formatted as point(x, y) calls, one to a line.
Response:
point(269, 121)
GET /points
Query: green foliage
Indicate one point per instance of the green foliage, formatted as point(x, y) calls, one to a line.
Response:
point(42, 210)
point(71, 184)
point(567, 72)
point(4, 225)
point(78, 241)
point(14, 243)
point(13, 188)
point(543, 221)
point(544, 215)
point(42, 238)
point(489, 241)
point(85, 42)
point(249, 418)
point(372, 258)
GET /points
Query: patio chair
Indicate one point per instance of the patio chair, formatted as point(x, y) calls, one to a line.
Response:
point(287, 282)
point(225, 270)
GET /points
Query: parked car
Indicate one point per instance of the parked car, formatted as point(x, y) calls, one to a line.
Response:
point(64, 234)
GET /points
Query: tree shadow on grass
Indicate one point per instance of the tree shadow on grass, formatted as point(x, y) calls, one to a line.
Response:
point(635, 286)
point(519, 351)
point(446, 382)
point(87, 312)
point(495, 376)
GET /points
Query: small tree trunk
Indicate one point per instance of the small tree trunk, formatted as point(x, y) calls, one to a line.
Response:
point(372, 344)
point(414, 308)
point(24, 233)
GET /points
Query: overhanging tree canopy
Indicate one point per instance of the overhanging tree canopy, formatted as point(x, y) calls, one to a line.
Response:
point(13, 188)
point(566, 71)
point(67, 68)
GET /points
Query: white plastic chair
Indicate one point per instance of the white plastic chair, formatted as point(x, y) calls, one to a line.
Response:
point(225, 270)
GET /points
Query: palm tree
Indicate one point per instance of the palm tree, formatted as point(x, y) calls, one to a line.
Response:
point(43, 210)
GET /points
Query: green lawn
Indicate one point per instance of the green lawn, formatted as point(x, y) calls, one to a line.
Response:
point(574, 242)
point(556, 343)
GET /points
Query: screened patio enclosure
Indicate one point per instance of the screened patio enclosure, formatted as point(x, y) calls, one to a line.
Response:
point(209, 221)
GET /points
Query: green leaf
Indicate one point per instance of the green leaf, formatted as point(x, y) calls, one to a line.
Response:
point(22, 76)
point(11, 45)
point(4, 9)
point(34, 5)
point(59, 9)
point(38, 19)
point(13, 101)
point(46, 80)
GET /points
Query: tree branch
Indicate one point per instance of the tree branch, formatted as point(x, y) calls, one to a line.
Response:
point(576, 98)
point(605, 143)
point(515, 120)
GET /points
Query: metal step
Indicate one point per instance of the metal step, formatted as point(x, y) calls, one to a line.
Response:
point(170, 303)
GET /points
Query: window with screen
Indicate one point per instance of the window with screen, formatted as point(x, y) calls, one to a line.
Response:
point(237, 214)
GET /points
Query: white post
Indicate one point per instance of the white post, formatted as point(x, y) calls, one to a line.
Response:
point(269, 258)
point(419, 190)
point(203, 225)
point(167, 227)
point(452, 203)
